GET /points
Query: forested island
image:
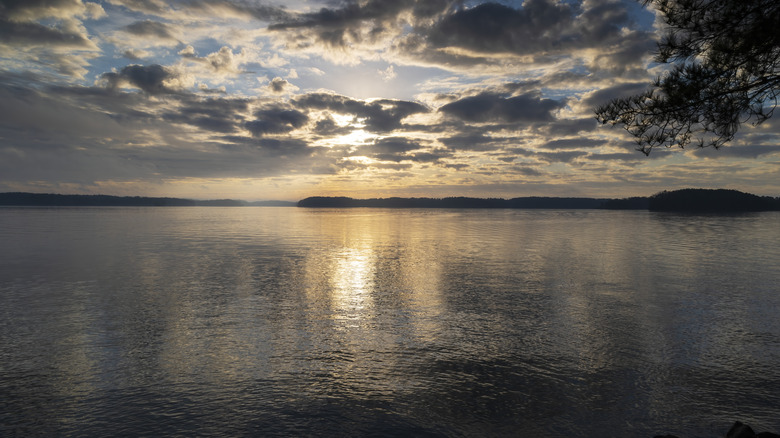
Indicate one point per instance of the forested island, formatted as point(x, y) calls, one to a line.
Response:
point(684, 200)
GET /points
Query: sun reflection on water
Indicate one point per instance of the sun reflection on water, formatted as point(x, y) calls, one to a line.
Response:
point(352, 282)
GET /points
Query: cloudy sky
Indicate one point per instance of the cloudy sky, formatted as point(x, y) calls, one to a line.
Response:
point(268, 99)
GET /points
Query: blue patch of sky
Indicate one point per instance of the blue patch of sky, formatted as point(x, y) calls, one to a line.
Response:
point(641, 14)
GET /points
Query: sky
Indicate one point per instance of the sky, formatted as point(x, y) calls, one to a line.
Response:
point(260, 100)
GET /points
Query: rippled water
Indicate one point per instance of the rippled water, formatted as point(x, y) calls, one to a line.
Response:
point(328, 322)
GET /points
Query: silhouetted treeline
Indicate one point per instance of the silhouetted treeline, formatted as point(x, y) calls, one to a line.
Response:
point(685, 200)
point(453, 202)
point(711, 200)
point(54, 200)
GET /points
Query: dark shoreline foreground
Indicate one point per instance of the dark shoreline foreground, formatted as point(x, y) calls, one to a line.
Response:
point(684, 200)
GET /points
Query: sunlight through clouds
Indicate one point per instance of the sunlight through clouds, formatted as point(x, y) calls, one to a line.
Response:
point(478, 93)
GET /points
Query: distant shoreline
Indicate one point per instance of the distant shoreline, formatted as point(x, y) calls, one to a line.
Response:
point(684, 200)
point(21, 199)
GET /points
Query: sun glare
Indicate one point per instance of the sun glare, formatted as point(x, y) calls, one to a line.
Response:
point(352, 280)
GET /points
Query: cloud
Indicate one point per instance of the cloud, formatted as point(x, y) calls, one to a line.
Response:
point(496, 36)
point(752, 151)
point(483, 93)
point(353, 29)
point(560, 157)
point(135, 54)
point(86, 134)
point(33, 10)
point(471, 142)
point(281, 86)
point(392, 145)
point(238, 9)
point(573, 143)
point(149, 28)
point(387, 74)
point(490, 107)
point(211, 114)
point(606, 94)
point(34, 34)
point(327, 127)
point(567, 127)
point(339, 27)
point(496, 28)
point(47, 23)
point(381, 115)
point(152, 79)
point(218, 64)
point(276, 120)
point(146, 6)
point(48, 35)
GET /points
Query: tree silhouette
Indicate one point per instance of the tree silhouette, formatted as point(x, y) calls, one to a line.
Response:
point(724, 58)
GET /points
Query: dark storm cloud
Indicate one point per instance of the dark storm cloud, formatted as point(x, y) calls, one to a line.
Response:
point(542, 28)
point(392, 145)
point(285, 146)
point(379, 116)
point(150, 28)
point(471, 142)
point(329, 127)
point(273, 149)
point(214, 7)
point(214, 115)
point(389, 149)
point(418, 157)
point(340, 25)
point(560, 157)
point(252, 9)
point(526, 171)
point(626, 60)
point(29, 33)
point(494, 28)
point(148, 6)
point(567, 127)
point(71, 133)
point(492, 107)
point(617, 156)
point(731, 151)
point(573, 143)
point(149, 78)
point(398, 149)
point(131, 55)
point(604, 95)
point(276, 120)
point(22, 9)
point(549, 157)
point(47, 23)
point(431, 156)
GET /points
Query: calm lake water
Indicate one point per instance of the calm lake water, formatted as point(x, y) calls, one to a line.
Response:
point(374, 322)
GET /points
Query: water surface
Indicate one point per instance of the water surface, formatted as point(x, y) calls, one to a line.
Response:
point(355, 322)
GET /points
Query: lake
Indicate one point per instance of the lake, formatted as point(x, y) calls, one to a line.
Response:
point(186, 321)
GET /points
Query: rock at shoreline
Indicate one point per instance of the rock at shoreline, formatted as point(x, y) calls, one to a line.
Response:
point(738, 430)
point(741, 430)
